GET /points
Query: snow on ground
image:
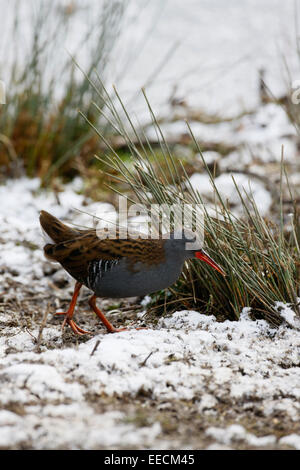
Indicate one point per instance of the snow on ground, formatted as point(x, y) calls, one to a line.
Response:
point(56, 397)
point(225, 184)
point(259, 140)
point(259, 135)
point(192, 358)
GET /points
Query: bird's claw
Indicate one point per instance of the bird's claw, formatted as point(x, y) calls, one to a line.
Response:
point(75, 328)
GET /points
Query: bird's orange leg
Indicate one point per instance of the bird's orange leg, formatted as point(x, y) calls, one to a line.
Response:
point(70, 312)
point(109, 326)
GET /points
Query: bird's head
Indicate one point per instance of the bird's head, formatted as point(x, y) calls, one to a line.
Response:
point(186, 245)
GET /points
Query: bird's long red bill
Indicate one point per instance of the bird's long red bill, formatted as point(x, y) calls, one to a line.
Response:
point(204, 257)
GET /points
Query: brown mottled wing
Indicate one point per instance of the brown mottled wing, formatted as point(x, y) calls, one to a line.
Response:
point(75, 255)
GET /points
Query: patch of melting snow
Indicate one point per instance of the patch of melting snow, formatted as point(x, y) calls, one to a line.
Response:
point(76, 425)
point(265, 131)
point(288, 314)
point(292, 440)
point(238, 434)
point(225, 184)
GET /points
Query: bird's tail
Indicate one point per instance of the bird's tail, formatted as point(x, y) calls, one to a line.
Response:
point(55, 229)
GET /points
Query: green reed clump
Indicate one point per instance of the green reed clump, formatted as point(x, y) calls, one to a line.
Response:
point(260, 257)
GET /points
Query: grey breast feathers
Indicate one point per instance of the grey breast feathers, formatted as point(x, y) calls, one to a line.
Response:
point(97, 269)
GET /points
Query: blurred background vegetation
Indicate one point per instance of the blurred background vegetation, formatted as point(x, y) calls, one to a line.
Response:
point(42, 133)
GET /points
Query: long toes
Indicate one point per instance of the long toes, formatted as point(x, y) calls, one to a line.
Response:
point(117, 330)
point(61, 313)
point(83, 332)
point(67, 320)
point(77, 330)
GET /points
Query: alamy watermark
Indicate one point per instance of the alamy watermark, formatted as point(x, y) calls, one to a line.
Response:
point(153, 221)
